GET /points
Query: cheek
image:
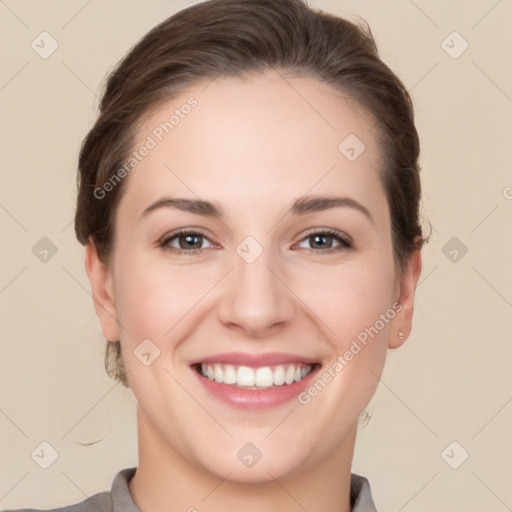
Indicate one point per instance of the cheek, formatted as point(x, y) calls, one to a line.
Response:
point(150, 302)
point(355, 306)
point(161, 301)
point(350, 298)
point(153, 299)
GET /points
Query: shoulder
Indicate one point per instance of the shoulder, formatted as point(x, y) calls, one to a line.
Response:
point(101, 501)
point(118, 498)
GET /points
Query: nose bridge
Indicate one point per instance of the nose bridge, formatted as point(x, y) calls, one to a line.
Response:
point(255, 297)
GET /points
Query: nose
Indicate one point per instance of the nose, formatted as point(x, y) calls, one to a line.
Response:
point(256, 299)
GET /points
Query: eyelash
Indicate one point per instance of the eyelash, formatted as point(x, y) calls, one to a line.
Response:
point(345, 243)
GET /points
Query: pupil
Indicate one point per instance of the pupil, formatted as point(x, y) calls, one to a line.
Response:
point(320, 237)
point(189, 240)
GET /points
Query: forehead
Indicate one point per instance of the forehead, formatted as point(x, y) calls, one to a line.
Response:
point(249, 137)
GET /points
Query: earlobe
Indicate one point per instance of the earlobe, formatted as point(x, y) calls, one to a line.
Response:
point(102, 288)
point(402, 325)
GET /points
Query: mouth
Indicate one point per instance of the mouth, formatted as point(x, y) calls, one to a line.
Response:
point(255, 381)
point(246, 377)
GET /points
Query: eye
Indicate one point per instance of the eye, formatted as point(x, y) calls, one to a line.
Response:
point(189, 242)
point(322, 241)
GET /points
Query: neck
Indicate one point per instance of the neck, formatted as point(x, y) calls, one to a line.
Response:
point(165, 480)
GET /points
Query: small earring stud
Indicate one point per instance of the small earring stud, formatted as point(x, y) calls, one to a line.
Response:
point(400, 334)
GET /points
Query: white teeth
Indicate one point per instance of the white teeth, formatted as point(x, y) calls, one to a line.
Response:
point(263, 377)
point(229, 374)
point(290, 374)
point(245, 376)
point(218, 373)
point(279, 376)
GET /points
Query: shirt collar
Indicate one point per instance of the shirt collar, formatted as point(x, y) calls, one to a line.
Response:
point(120, 493)
point(360, 494)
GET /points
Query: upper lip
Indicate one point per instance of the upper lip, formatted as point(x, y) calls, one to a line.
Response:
point(254, 360)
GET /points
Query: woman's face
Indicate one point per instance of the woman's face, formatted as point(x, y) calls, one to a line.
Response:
point(265, 286)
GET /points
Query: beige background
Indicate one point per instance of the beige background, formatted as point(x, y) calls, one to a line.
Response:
point(450, 382)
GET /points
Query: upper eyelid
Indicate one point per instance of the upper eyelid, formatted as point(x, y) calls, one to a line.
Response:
point(194, 231)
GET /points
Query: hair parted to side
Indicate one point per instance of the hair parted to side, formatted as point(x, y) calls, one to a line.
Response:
point(237, 38)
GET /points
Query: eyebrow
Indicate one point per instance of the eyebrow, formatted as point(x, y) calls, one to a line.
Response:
point(301, 206)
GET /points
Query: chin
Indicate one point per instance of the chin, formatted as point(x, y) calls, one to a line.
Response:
point(265, 471)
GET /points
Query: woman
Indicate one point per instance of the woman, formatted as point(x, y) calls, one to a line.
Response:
point(248, 201)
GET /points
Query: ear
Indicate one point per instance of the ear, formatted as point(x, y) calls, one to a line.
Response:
point(100, 278)
point(408, 281)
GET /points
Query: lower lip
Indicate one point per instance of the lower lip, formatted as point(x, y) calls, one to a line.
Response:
point(256, 398)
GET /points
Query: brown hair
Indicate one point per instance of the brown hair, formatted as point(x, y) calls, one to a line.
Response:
point(235, 38)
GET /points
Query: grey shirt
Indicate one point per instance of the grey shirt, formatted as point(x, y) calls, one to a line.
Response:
point(118, 499)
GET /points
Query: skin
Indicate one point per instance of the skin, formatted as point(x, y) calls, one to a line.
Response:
point(254, 146)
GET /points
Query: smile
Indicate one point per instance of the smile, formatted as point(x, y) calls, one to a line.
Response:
point(255, 378)
point(255, 381)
